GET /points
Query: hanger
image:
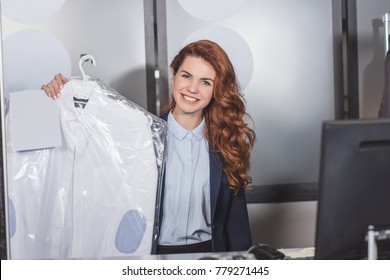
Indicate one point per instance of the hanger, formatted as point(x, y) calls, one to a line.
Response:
point(83, 59)
point(84, 89)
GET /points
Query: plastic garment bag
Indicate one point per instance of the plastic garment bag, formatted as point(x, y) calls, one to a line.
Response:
point(97, 195)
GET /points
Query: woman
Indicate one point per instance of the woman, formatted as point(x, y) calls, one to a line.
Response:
point(207, 160)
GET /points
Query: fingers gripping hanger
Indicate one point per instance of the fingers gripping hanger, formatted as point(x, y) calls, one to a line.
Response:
point(84, 58)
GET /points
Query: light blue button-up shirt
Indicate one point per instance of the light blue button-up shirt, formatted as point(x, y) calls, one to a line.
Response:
point(186, 208)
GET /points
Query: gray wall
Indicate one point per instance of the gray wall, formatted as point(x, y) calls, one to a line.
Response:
point(111, 31)
point(288, 85)
point(371, 53)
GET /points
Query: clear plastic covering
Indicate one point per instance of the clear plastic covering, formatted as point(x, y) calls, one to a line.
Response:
point(97, 195)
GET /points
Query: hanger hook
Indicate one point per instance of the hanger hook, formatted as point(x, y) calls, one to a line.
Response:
point(83, 59)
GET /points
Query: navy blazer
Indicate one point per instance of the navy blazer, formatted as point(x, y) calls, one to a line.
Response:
point(229, 214)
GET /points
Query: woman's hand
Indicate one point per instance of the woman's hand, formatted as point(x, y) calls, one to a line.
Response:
point(52, 89)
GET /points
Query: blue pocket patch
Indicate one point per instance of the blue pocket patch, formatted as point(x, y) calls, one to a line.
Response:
point(11, 218)
point(130, 231)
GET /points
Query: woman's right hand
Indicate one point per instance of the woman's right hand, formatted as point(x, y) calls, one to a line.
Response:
point(52, 89)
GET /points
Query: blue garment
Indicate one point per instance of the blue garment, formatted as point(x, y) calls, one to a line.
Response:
point(230, 228)
point(186, 204)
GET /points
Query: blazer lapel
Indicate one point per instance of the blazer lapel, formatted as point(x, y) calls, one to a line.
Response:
point(215, 180)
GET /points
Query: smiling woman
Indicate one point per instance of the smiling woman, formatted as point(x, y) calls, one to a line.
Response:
point(208, 146)
point(224, 112)
point(192, 90)
point(207, 162)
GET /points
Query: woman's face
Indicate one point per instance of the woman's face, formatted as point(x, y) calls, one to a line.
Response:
point(193, 86)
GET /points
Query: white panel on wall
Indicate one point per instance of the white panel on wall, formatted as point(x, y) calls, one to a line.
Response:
point(30, 11)
point(211, 10)
point(30, 57)
point(111, 31)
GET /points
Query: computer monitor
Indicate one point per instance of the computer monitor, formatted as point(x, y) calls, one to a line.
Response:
point(354, 188)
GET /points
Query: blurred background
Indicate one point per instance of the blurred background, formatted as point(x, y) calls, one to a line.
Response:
point(299, 62)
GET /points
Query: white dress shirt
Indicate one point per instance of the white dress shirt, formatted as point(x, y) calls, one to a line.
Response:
point(100, 186)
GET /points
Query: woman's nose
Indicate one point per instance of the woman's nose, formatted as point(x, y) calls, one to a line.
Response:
point(193, 87)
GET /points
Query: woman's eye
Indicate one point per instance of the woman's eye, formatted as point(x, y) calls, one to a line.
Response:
point(206, 83)
point(185, 76)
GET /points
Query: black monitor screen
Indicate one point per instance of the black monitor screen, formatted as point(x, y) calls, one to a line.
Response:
point(354, 188)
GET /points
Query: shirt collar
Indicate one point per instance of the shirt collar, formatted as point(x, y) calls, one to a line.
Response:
point(92, 107)
point(180, 133)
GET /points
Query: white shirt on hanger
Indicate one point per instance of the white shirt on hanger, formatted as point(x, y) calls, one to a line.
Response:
point(100, 186)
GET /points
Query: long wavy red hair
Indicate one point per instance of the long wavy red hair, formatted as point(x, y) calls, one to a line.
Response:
point(226, 131)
